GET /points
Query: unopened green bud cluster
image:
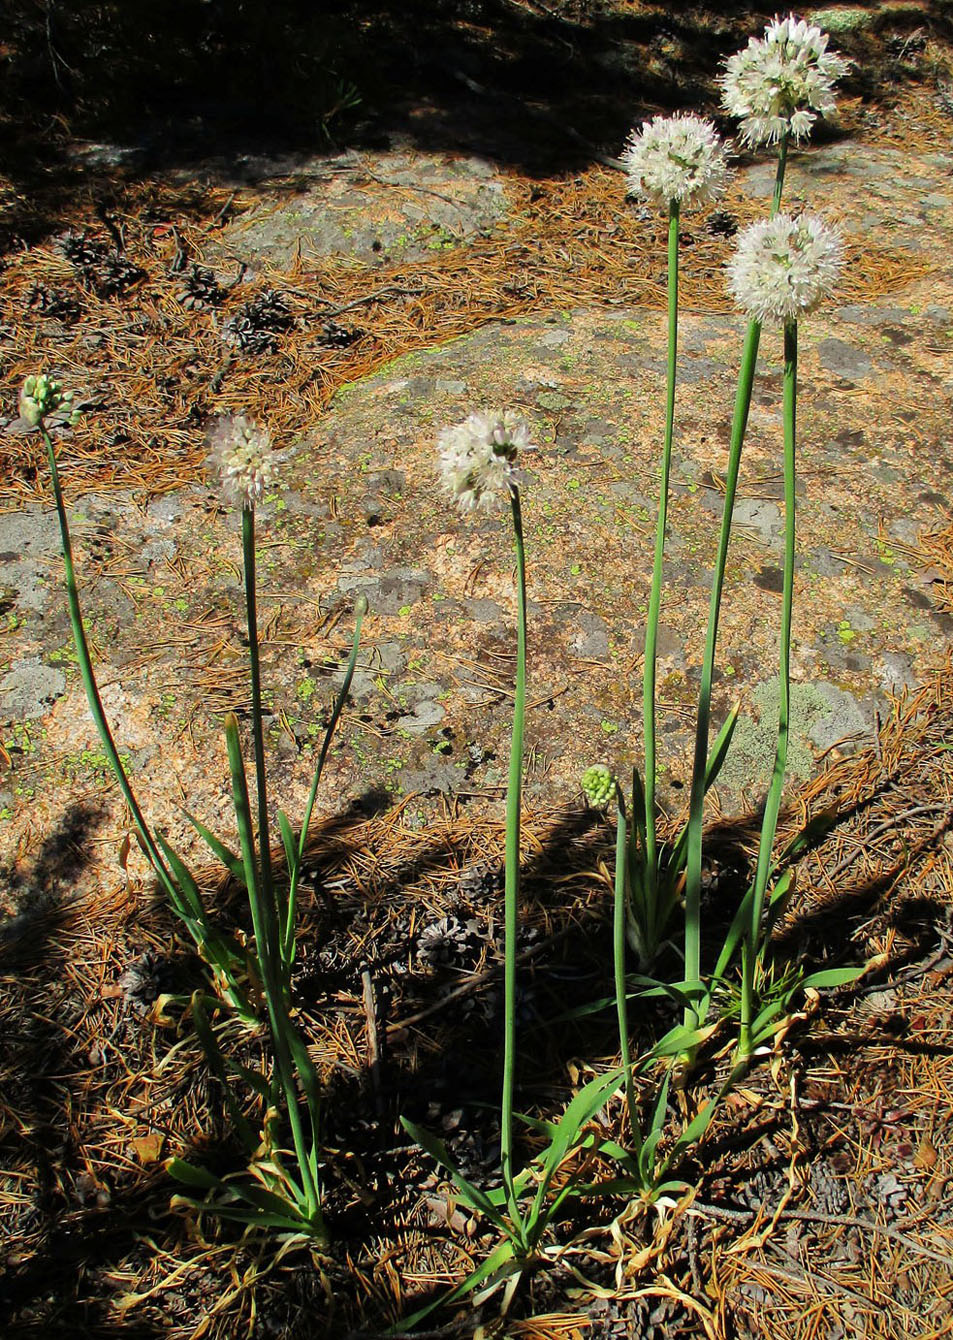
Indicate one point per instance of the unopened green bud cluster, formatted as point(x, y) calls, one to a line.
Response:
point(599, 785)
point(42, 396)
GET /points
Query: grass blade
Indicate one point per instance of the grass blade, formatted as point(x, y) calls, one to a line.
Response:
point(831, 977)
point(584, 1106)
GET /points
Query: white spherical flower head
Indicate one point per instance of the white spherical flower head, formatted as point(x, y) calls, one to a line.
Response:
point(243, 459)
point(675, 159)
point(477, 456)
point(784, 266)
point(779, 84)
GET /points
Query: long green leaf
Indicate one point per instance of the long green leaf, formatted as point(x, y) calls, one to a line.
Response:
point(188, 888)
point(265, 1201)
point(638, 812)
point(687, 992)
point(231, 862)
point(498, 1196)
point(782, 887)
point(255, 1218)
point(692, 1133)
point(218, 949)
point(779, 899)
point(607, 1148)
point(191, 1175)
point(816, 828)
point(611, 1149)
point(736, 933)
point(289, 843)
point(584, 1106)
point(655, 1132)
point(831, 977)
point(582, 1011)
point(716, 759)
point(262, 911)
point(719, 751)
point(537, 1124)
point(255, 1079)
point(766, 1015)
point(498, 1258)
point(360, 609)
point(307, 1075)
point(660, 1106)
point(217, 1063)
point(476, 1199)
point(681, 1038)
point(611, 1186)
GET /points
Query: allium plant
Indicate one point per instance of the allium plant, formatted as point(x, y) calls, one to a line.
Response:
point(247, 980)
point(478, 462)
point(776, 86)
point(781, 270)
point(674, 162)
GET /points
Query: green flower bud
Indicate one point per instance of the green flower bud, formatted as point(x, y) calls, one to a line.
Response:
point(41, 396)
point(599, 785)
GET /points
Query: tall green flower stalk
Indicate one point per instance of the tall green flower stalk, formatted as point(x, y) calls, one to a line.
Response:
point(655, 596)
point(511, 883)
point(772, 807)
point(696, 803)
point(478, 459)
point(41, 398)
point(782, 269)
point(269, 944)
point(776, 86)
point(674, 162)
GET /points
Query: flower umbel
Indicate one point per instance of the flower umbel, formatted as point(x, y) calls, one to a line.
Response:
point(42, 396)
point(477, 456)
point(784, 266)
point(243, 458)
point(599, 785)
point(675, 159)
point(779, 84)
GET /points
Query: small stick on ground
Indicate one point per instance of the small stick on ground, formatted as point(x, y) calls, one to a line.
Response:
point(373, 1043)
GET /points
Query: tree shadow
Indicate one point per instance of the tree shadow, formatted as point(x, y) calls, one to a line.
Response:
point(43, 893)
point(544, 89)
point(407, 927)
